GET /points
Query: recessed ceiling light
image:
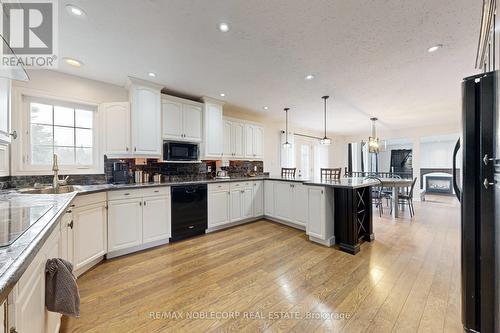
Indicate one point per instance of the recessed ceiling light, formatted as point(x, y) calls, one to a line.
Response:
point(309, 77)
point(151, 74)
point(73, 62)
point(434, 48)
point(224, 27)
point(266, 107)
point(74, 10)
point(222, 95)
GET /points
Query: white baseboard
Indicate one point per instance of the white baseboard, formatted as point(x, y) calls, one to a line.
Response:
point(117, 253)
point(233, 224)
point(326, 242)
point(290, 224)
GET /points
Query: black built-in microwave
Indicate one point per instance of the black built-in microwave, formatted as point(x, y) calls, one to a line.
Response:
point(180, 151)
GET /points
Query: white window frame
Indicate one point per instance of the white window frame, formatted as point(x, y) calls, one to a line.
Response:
point(21, 148)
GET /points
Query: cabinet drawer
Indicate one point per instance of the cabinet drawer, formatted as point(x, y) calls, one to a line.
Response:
point(241, 185)
point(220, 187)
point(124, 194)
point(154, 191)
point(89, 199)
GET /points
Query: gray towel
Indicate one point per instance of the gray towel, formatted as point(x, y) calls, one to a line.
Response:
point(61, 290)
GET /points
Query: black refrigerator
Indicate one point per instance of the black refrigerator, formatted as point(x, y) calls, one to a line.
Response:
point(480, 202)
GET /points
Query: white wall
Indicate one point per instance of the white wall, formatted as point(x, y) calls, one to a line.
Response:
point(437, 154)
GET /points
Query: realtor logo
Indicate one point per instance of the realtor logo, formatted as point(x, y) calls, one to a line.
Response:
point(29, 30)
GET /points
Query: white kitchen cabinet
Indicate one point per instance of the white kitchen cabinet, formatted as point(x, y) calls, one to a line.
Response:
point(218, 205)
point(124, 223)
point(234, 139)
point(53, 319)
point(236, 205)
point(145, 105)
point(89, 233)
point(282, 201)
point(247, 203)
point(116, 128)
point(269, 188)
point(320, 221)
point(299, 204)
point(258, 198)
point(66, 228)
point(214, 129)
point(181, 119)
point(254, 135)
point(5, 110)
point(138, 219)
point(4, 160)
point(156, 219)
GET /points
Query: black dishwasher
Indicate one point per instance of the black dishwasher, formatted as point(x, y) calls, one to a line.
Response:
point(189, 211)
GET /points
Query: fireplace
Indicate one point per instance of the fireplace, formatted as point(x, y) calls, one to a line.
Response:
point(438, 184)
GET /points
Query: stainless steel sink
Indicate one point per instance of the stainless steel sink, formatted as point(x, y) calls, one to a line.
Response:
point(49, 190)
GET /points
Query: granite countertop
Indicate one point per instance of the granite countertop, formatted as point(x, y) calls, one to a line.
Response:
point(16, 257)
point(349, 183)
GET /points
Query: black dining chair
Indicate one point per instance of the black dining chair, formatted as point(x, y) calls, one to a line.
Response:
point(407, 199)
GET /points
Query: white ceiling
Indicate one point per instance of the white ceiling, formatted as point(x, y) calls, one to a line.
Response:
point(370, 56)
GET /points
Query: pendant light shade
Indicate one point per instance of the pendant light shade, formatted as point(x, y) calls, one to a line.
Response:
point(373, 140)
point(325, 140)
point(286, 144)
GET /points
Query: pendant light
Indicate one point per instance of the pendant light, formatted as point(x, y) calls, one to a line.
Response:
point(373, 140)
point(286, 144)
point(325, 141)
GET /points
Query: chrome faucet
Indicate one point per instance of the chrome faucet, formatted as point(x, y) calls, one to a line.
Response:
point(56, 182)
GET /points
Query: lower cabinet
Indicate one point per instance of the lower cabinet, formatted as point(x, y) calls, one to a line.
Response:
point(233, 202)
point(320, 227)
point(89, 231)
point(290, 202)
point(138, 219)
point(269, 189)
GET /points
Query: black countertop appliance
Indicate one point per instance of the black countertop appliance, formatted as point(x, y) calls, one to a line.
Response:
point(120, 173)
point(189, 211)
point(480, 202)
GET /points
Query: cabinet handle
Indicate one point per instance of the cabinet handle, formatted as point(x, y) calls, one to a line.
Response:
point(69, 211)
point(157, 191)
point(126, 193)
point(191, 227)
point(140, 203)
point(135, 148)
point(13, 135)
point(72, 206)
point(321, 191)
point(126, 148)
point(70, 224)
point(144, 203)
point(242, 191)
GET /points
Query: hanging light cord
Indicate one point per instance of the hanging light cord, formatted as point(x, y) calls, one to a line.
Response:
point(325, 98)
point(286, 124)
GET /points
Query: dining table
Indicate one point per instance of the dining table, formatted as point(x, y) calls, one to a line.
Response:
point(396, 184)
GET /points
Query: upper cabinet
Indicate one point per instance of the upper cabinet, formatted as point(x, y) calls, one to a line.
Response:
point(116, 128)
point(5, 120)
point(214, 129)
point(254, 135)
point(234, 139)
point(181, 119)
point(145, 105)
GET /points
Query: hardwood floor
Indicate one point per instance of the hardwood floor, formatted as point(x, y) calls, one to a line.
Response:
point(269, 278)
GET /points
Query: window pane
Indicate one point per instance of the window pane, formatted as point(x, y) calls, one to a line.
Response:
point(41, 113)
point(84, 156)
point(83, 137)
point(41, 135)
point(64, 116)
point(84, 118)
point(41, 155)
point(66, 155)
point(64, 136)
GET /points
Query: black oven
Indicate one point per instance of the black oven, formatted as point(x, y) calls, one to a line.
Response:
point(180, 151)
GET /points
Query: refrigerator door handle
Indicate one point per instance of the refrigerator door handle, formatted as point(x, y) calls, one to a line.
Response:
point(454, 170)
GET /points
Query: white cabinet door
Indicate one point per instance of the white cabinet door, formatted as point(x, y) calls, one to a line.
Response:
point(156, 219)
point(124, 223)
point(269, 187)
point(52, 319)
point(247, 203)
point(258, 142)
point(218, 208)
point(283, 201)
point(238, 139)
point(29, 305)
point(89, 233)
point(258, 198)
point(116, 128)
point(228, 143)
point(236, 201)
point(316, 213)
point(67, 246)
point(146, 121)
point(5, 113)
point(191, 123)
point(214, 130)
point(4, 160)
point(172, 120)
point(249, 129)
point(299, 204)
